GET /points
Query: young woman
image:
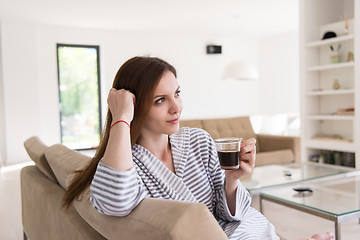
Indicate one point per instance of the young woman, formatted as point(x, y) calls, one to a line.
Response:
point(143, 153)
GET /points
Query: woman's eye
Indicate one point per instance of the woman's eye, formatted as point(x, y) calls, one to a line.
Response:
point(177, 93)
point(160, 100)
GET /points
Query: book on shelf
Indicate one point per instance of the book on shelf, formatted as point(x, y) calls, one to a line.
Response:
point(346, 111)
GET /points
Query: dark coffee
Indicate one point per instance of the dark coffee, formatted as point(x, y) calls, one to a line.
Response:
point(229, 159)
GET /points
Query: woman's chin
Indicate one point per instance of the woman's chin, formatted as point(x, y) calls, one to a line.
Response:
point(173, 129)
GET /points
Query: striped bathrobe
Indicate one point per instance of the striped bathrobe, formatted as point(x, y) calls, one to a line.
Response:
point(198, 179)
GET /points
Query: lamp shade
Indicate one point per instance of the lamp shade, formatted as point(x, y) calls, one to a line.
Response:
point(240, 70)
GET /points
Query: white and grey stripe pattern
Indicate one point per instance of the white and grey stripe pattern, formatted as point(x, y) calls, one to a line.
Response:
point(198, 178)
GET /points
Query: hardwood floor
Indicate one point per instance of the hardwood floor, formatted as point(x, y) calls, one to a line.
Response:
point(290, 224)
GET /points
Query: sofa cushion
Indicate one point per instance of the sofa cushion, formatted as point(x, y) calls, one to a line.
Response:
point(64, 161)
point(275, 157)
point(36, 150)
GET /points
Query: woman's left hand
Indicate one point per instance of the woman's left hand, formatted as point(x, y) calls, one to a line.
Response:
point(246, 164)
point(247, 160)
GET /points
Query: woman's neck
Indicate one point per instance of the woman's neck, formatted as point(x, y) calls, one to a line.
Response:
point(160, 147)
point(157, 145)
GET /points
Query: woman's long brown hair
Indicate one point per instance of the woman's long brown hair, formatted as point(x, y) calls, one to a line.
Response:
point(139, 75)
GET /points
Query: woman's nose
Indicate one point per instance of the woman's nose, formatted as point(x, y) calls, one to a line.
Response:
point(175, 106)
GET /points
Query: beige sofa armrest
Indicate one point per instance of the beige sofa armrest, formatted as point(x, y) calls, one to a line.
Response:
point(154, 219)
point(277, 142)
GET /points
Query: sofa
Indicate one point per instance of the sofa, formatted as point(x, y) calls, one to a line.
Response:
point(43, 186)
point(271, 149)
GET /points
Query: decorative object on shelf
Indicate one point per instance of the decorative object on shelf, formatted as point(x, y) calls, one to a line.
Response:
point(334, 54)
point(334, 57)
point(350, 57)
point(240, 70)
point(346, 111)
point(346, 23)
point(329, 35)
point(336, 84)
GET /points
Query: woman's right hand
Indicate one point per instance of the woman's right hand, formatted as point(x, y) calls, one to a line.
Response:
point(121, 104)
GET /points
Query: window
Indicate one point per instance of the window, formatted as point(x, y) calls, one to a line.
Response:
point(79, 95)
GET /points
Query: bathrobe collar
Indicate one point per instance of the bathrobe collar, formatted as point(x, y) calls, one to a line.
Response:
point(151, 165)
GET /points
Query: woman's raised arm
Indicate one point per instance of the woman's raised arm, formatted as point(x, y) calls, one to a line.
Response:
point(118, 150)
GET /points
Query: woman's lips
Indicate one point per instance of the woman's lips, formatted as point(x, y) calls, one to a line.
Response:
point(174, 121)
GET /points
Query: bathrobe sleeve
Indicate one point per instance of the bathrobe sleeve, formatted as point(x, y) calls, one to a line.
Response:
point(221, 209)
point(114, 192)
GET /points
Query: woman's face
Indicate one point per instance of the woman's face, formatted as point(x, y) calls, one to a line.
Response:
point(166, 108)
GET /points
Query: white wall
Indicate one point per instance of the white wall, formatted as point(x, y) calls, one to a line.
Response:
point(2, 114)
point(279, 73)
point(30, 74)
point(20, 83)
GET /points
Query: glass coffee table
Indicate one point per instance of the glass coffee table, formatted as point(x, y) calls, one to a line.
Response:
point(277, 175)
point(337, 200)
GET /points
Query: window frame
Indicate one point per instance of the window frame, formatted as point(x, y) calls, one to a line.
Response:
point(97, 48)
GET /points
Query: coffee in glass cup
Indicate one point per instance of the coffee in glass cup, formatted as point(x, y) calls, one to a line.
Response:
point(228, 150)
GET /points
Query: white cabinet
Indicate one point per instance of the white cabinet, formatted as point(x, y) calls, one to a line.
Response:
point(330, 81)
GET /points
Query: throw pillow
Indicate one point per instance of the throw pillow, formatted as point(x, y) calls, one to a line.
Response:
point(64, 161)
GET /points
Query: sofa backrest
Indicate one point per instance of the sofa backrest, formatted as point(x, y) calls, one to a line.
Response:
point(223, 127)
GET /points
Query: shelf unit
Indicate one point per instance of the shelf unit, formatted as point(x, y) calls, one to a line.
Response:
point(324, 127)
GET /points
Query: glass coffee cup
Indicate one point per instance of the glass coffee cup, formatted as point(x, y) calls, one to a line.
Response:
point(228, 150)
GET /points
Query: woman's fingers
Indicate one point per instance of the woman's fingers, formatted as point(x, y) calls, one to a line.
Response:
point(121, 104)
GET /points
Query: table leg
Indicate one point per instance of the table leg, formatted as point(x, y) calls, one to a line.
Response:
point(337, 230)
point(261, 204)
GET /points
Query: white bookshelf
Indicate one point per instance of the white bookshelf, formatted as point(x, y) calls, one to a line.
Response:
point(325, 127)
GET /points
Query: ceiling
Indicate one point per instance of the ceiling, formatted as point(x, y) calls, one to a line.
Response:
point(255, 17)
